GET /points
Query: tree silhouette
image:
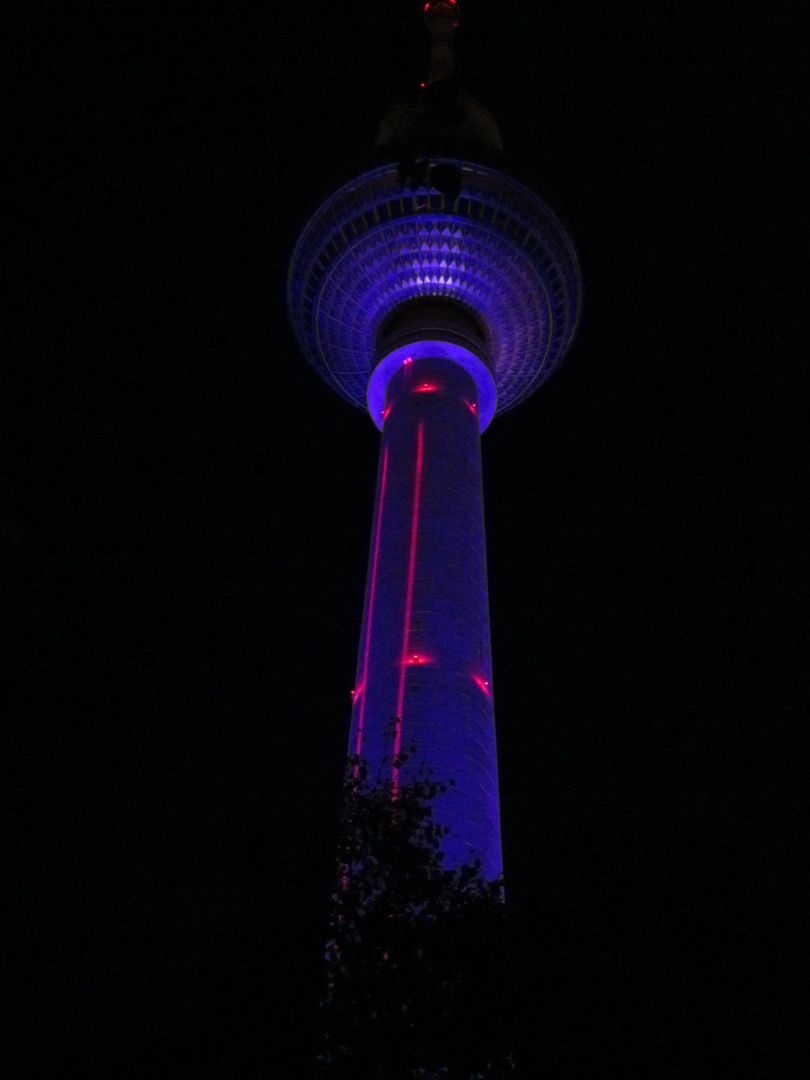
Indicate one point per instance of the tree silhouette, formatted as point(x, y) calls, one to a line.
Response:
point(415, 966)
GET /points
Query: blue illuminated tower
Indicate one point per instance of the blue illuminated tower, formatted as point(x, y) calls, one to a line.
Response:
point(435, 291)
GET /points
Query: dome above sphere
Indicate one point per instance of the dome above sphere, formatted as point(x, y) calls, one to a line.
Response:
point(439, 120)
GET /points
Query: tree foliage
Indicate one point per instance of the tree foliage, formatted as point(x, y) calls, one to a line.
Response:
point(415, 964)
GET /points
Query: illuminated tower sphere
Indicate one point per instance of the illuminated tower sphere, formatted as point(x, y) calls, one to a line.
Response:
point(435, 291)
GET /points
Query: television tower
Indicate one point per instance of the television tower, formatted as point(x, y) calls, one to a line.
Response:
point(435, 291)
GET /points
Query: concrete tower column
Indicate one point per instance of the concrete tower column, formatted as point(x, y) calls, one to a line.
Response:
point(424, 669)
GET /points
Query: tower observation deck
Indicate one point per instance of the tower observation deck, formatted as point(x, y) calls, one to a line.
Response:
point(436, 291)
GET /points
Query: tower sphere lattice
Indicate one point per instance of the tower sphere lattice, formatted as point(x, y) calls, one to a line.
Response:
point(468, 236)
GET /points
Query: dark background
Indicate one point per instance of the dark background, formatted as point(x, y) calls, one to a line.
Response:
point(186, 512)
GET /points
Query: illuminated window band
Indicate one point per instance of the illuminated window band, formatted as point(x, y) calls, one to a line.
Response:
point(496, 250)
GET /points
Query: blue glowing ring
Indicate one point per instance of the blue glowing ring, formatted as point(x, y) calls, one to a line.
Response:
point(381, 376)
point(497, 250)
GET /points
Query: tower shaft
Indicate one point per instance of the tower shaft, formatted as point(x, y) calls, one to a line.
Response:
point(424, 668)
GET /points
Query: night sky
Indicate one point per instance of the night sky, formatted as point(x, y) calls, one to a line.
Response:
point(186, 511)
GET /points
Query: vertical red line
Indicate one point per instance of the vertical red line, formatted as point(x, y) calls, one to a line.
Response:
point(364, 680)
point(408, 598)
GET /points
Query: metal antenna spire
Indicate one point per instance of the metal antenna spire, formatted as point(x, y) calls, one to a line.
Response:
point(442, 18)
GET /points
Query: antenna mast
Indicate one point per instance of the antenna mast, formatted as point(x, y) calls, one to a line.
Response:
point(442, 18)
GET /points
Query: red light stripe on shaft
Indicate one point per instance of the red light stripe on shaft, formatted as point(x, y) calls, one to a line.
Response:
point(408, 598)
point(364, 680)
